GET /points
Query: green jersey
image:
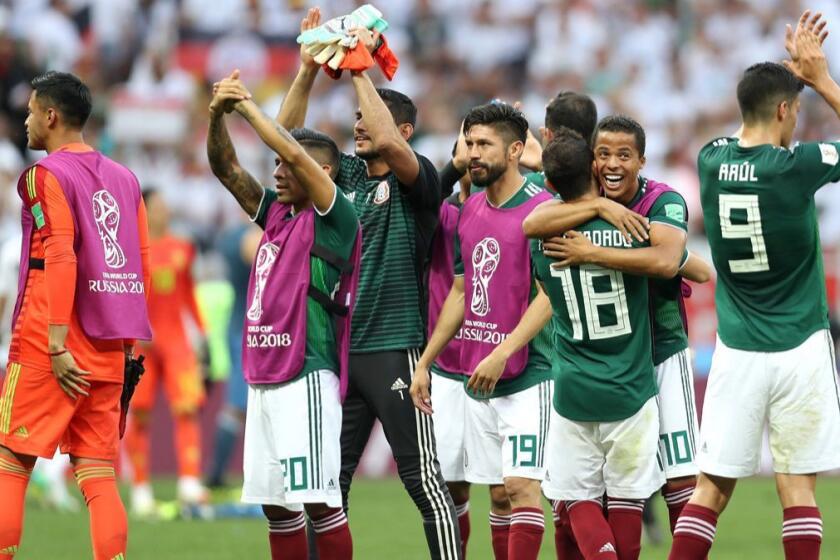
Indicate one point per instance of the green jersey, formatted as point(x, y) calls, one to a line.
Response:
point(538, 368)
point(669, 336)
point(398, 222)
point(335, 230)
point(761, 221)
point(601, 324)
point(537, 178)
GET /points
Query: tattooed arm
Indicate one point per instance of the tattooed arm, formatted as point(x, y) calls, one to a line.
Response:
point(224, 163)
point(310, 174)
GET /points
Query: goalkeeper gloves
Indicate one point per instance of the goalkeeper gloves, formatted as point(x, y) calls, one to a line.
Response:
point(131, 377)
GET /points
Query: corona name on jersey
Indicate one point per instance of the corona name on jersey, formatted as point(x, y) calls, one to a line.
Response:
point(607, 238)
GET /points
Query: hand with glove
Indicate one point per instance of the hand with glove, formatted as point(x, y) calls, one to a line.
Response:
point(331, 43)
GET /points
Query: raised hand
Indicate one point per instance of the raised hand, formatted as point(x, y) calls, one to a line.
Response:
point(370, 39)
point(804, 45)
point(311, 21)
point(227, 93)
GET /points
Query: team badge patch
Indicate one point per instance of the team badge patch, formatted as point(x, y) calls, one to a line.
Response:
point(383, 193)
point(38, 214)
point(675, 212)
point(829, 154)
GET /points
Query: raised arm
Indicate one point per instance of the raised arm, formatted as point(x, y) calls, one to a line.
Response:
point(223, 161)
point(555, 217)
point(807, 59)
point(661, 260)
point(306, 170)
point(292, 112)
point(387, 139)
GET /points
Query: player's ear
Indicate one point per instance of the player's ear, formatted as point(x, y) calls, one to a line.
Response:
point(642, 161)
point(782, 110)
point(406, 131)
point(516, 149)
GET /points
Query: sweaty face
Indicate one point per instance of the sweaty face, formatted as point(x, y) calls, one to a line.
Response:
point(617, 165)
point(789, 122)
point(488, 155)
point(286, 184)
point(36, 124)
point(364, 145)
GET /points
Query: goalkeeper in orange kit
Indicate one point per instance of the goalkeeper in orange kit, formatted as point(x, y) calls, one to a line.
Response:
point(170, 362)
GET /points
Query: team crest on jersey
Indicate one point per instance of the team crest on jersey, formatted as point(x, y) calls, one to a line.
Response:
point(382, 194)
point(485, 261)
point(106, 214)
point(265, 261)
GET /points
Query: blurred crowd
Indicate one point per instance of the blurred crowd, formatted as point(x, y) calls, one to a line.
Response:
point(672, 64)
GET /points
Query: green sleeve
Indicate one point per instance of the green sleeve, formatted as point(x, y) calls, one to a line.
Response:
point(269, 196)
point(670, 209)
point(818, 164)
point(336, 228)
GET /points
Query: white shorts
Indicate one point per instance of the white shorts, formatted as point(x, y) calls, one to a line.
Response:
point(506, 436)
point(588, 459)
point(449, 401)
point(794, 391)
point(677, 416)
point(292, 443)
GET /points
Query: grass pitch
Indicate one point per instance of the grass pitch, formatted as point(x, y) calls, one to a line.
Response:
point(385, 525)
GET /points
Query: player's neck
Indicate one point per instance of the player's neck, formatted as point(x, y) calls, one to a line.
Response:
point(61, 138)
point(377, 167)
point(759, 135)
point(503, 189)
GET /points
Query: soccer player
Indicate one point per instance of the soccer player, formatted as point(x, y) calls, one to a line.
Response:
point(80, 306)
point(296, 335)
point(493, 290)
point(396, 194)
point(575, 111)
point(170, 361)
point(446, 372)
point(604, 430)
point(619, 146)
point(238, 245)
point(774, 358)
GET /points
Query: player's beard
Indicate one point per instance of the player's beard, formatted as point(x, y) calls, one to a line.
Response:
point(491, 174)
point(367, 154)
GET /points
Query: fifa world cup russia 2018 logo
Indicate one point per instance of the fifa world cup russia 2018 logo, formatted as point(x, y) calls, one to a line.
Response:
point(485, 261)
point(265, 261)
point(106, 213)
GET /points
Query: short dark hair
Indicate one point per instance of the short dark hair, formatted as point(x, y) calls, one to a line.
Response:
point(567, 163)
point(508, 121)
point(572, 110)
point(622, 123)
point(317, 141)
point(67, 94)
point(762, 87)
point(401, 106)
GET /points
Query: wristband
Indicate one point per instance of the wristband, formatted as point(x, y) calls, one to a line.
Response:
point(59, 353)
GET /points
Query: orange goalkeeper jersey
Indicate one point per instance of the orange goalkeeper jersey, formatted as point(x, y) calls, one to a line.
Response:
point(49, 294)
point(172, 292)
